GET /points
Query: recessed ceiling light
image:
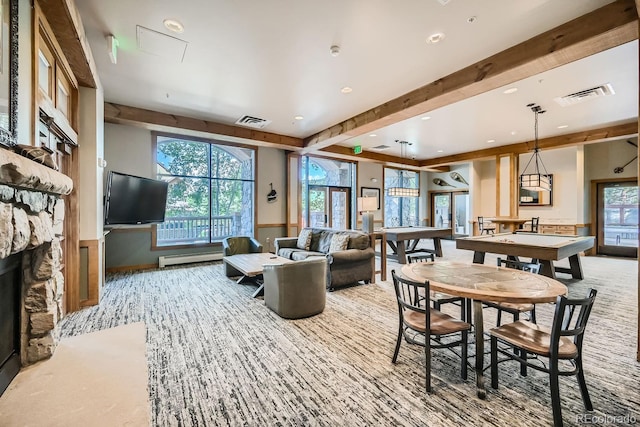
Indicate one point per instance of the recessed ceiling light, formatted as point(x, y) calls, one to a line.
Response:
point(489, 141)
point(346, 89)
point(513, 132)
point(425, 118)
point(440, 151)
point(563, 126)
point(435, 38)
point(173, 25)
point(373, 135)
point(299, 117)
point(471, 19)
point(510, 90)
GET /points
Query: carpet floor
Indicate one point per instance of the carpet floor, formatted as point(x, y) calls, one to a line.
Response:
point(216, 356)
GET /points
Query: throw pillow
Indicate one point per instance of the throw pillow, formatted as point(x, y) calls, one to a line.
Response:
point(339, 242)
point(304, 239)
point(37, 154)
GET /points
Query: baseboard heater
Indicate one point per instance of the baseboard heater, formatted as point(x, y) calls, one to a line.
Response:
point(164, 261)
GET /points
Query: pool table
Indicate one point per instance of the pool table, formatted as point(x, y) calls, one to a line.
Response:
point(397, 236)
point(546, 248)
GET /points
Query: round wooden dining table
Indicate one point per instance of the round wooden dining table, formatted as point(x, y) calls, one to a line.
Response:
point(484, 283)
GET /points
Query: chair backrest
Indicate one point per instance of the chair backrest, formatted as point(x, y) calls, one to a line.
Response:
point(297, 289)
point(570, 319)
point(480, 222)
point(531, 267)
point(534, 224)
point(410, 296)
point(411, 258)
point(240, 245)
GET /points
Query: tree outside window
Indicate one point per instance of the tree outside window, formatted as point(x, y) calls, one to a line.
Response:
point(210, 193)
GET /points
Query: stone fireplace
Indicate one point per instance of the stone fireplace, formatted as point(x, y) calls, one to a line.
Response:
point(31, 228)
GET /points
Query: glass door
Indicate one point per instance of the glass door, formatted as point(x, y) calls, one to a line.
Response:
point(451, 210)
point(441, 210)
point(329, 207)
point(339, 212)
point(461, 219)
point(318, 216)
point(617, 218)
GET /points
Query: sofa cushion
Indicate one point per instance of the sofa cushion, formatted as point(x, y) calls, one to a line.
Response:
point(316, 236)
point(287, 252)
point(302, 255)
point(304, 239)
point(359, 241)
point(339, 242)
point(324, 241)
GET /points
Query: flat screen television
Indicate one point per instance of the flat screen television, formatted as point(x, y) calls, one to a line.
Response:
point(133, 199)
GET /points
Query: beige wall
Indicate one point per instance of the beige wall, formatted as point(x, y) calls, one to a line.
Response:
point(127, 149)
point(562, 164)
point(366, 172)
point(90, 156)
point(272, 169)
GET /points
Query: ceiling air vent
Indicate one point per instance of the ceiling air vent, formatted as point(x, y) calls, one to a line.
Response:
point(380, 147)
point(252, 122)
point(583, 95)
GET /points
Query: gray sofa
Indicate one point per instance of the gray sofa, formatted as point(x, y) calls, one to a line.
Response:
point(346, 267)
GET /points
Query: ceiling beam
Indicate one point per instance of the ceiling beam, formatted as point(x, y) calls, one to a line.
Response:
point(154, 120)
point(64, 19)
point(578, 138)
point(346, 153)
point(602, 29)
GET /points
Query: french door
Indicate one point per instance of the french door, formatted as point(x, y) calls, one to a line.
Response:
point(329, 207)
point(451, 210)
point(617, 218)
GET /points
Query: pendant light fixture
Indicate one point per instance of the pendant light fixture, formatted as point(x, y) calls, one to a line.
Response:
point(535, 180)
point(400, 190)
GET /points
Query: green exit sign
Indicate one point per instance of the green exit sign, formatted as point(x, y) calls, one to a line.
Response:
point(357, 149)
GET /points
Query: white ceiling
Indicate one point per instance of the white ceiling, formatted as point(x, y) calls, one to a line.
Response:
point(270, 59)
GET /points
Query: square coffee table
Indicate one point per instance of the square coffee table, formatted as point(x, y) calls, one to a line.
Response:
point(251, 266)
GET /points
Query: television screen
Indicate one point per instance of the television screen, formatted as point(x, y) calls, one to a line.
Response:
point(134, 200)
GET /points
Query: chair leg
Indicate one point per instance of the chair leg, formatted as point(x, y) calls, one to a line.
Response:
point(555, 393)
point(398, 341)
point(499, 317)
point(533, 315)
point(494, 362)
point(523, 365)
point(583, 385)
point(427, 364)
point(465, 341)
point(463, 314)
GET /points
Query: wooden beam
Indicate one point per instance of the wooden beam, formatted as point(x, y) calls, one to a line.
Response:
point(154, 120)
point(346, 153)
point(578, 138)
point(602, 29)
point(64, 19)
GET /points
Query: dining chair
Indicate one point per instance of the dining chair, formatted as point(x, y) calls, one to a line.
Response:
point(516, 308)
point(440, 298)
point(488, 228)
point(535, 221)
point(563, 342)
point(425, 326)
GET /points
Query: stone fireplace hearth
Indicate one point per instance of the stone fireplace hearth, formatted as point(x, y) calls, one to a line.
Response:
point(31, 224)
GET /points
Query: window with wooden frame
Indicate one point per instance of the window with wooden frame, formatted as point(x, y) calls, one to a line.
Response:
point(56, 104)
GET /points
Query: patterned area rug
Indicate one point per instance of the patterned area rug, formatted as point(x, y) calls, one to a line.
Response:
point(217, 356)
